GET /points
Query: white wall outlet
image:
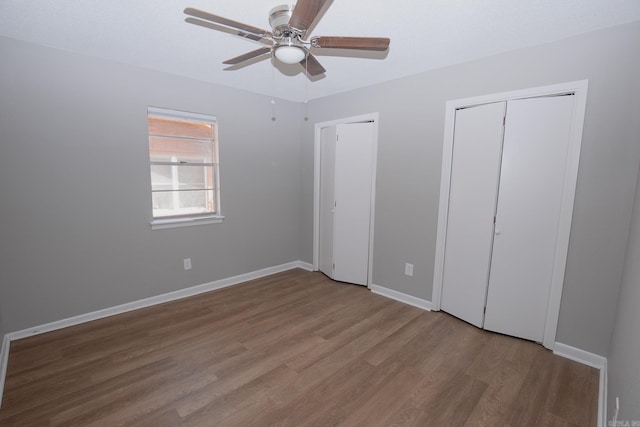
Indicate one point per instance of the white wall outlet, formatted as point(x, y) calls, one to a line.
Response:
point(187, 263)
point(408, 269)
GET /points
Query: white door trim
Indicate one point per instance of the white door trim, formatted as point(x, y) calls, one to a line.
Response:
point(579, 89)
point(371, 117)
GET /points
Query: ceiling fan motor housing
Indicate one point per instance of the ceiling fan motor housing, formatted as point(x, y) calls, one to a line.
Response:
point(279, 19)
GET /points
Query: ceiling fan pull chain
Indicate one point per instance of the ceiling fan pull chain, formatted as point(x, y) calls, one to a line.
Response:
point(306, 89)
point(273, 97)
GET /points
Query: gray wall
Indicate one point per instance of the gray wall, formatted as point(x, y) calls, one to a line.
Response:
point(75, 186)
point(3, 254)
point(409, 159)
point(74, 180)
point(624, 351)
point(2, 331)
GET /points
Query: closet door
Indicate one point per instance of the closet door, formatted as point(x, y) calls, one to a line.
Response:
point(353, 189)
point(472, 201)
point(532, 178)
point(346, 188)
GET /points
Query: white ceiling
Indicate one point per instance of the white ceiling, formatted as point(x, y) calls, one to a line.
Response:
point(425, 34)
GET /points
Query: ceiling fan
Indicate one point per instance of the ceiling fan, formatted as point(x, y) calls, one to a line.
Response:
point(287, 40)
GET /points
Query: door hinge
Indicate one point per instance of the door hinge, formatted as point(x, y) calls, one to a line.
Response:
point(334, 265)
point(494, 219)
point(504, 121)
point(484, 311)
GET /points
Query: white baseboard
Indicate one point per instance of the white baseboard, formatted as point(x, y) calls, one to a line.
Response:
point(304, 265)
point(146, 302)
point(595, 361)
point(155, 300)
point(399, 296)
point(579, 355)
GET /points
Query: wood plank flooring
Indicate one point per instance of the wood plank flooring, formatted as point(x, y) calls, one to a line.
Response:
point(292, 349)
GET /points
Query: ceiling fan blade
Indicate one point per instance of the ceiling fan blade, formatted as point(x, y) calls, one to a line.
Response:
point(246, 63)
point(247, 56)
point(304, 13)
point(311, 64)
point(358, 43)
point(228, 22)
point(232, 31)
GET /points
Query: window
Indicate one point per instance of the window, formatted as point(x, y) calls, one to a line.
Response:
point(183, 156)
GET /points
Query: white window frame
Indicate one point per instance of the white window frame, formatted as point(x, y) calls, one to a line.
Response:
point(188, 220)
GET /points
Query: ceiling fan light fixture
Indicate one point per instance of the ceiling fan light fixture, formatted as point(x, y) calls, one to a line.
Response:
point(290, 54)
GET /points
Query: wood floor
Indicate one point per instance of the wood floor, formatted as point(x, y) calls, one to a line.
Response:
point(292, 349)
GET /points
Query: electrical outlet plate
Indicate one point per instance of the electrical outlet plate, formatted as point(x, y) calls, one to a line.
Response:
point(187, 263)
point(408, 269)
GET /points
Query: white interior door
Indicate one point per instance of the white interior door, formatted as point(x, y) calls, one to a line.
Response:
point(472, 202)
point(346, 184)
point(353, 189)
point(535, 151)
point(327, 199)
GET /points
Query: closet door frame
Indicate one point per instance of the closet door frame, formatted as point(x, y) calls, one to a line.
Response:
point(579, 90)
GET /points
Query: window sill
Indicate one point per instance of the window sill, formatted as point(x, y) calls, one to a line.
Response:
point(160, 224)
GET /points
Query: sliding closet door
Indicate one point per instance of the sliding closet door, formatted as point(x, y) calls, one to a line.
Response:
point(472, 200)
point(535, 151)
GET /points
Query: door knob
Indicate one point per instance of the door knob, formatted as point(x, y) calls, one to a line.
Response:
point(497, 232)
